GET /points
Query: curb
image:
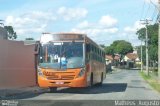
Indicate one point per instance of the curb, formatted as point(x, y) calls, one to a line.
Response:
point(14, 93)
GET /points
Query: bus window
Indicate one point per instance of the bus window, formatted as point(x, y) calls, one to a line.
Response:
point(88, 47)
point(63, 55)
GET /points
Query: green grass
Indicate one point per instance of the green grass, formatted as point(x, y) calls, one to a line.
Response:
point(153, 82)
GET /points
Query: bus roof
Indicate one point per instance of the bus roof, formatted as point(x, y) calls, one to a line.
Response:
point(64, 33)
point(92, 42)
point(69, 36)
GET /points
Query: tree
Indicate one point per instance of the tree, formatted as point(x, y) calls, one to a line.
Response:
point(109, 50)
point(11, 33)
point(120, 47)
point(143, 54)
point(123, 47)
point(152, 34)
point(152, 41)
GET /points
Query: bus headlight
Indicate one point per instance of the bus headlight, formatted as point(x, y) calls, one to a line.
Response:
point(81, 73)
point(40, 72)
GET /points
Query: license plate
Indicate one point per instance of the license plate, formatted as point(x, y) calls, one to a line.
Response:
point(59, 82)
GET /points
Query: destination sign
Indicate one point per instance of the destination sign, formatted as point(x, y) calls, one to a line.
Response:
point(68, 37)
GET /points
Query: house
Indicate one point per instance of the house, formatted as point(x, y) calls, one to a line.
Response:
point(130, 60)
point(117, 57)
point(109, 59)
point(112, 62)
point(131, 56)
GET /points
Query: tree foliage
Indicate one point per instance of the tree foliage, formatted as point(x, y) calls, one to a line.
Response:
point(143, 53)
point(121, 47)
point(152, 34)
point(109, 50)
point(152, 40)
point(11, 33)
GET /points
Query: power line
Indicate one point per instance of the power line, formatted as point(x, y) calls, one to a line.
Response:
point(142, 9)
point(155, 10)
point(153, 4)
point(147, 10)
point(154, 14)
point(157, 19)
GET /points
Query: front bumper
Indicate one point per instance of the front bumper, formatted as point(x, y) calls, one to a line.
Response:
point(77, 82)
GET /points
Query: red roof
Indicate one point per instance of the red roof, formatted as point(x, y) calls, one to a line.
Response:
point(109, 57)
point(116, 57)
point(132, 56)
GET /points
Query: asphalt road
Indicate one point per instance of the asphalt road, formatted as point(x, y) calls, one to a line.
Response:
point(120, 85)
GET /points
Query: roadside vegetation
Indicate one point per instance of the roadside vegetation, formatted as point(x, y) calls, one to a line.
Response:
point(152, 45)
point(11, 33)
point(155, 83)
point(120, 47)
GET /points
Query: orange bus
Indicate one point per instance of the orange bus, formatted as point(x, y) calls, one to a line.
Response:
point(69, 60)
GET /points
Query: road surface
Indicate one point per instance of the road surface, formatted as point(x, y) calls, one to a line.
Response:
point(120, 85)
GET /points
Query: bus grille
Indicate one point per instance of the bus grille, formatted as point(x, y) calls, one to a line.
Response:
point(67, 77)
point(61, 77)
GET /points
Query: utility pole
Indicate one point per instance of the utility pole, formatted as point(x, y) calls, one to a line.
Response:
point(147, 48)
point(146, 22)
point(141, 58)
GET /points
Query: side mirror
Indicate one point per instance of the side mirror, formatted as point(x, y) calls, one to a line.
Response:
point(36, 49)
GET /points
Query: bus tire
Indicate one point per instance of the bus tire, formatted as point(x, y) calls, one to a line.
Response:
point(100, 83)
point(53, 89)
point(91, 80)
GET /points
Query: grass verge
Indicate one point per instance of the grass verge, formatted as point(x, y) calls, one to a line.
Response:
point(152, 81)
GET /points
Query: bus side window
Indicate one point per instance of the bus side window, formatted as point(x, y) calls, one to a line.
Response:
point(88, 48)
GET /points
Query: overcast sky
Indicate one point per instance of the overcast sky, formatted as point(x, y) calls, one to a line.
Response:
point(104, 21)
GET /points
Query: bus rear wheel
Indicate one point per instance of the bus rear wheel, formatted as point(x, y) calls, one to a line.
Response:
point(91, 80)
point(53, 89)
point(100, 83)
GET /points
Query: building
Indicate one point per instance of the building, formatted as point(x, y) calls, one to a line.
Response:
point(111, 62)
point(131, 60)
point(109, 59)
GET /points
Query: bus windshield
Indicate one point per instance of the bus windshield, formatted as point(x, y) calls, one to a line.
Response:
point(61, 55)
